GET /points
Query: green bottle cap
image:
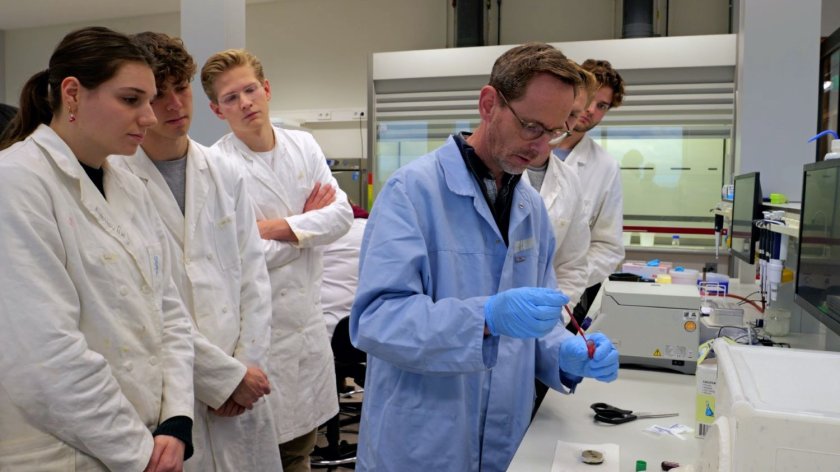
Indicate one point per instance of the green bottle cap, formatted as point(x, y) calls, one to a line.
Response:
point(641, 466)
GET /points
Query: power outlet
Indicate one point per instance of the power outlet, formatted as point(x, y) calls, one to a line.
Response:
point(358, 115)
point(324, 116)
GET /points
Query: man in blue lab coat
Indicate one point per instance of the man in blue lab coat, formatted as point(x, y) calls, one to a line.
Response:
point(457, 304)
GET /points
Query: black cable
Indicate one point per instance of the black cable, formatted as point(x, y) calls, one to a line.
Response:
point(361, 136)
point(720, 331)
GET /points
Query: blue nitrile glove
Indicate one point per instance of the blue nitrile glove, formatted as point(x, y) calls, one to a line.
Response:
point(525, 312)
point(574, 358)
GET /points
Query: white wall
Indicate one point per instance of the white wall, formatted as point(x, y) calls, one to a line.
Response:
point(316, 51)
point(692, 17)
point(28, 50)
point(556, 21)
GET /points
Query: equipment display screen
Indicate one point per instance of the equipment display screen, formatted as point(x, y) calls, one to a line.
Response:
point(746, 208)
point(818, 275)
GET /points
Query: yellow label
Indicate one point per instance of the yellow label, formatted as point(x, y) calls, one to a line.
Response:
point(657, 353)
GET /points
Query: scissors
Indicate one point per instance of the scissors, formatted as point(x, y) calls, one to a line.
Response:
point(609, 414)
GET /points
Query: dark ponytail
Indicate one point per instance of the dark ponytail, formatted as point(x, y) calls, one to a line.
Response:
point(92, 55)
point(34, 110)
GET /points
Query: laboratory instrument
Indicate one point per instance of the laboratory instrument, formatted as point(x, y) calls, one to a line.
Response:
point(653, 325)
point(746, 208)
point(606, 413)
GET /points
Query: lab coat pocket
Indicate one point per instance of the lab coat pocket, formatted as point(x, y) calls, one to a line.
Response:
point(227, 244)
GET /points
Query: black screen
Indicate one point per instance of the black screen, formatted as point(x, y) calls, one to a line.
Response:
point(746, 208)
point(818, 277)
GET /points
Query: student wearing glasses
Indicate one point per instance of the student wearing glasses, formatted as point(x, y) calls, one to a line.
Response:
point(600, 176)
point(457, 305)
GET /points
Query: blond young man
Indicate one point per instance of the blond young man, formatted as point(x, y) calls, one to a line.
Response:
point(299, 207)
point(600, 178)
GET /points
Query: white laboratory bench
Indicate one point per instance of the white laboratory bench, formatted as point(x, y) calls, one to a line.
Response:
point(569, 418)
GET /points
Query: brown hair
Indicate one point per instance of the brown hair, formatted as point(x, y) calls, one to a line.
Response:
point(607, 77)
point(93, 55)
point(589, 84)
point(224, 61)
point(514, 69)
point(172, 61)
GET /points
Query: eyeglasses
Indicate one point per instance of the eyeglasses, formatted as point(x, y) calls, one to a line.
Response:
point(530, 130)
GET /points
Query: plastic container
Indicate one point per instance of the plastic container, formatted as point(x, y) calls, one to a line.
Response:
point(777, 410)
point(646, 239)
point(777, 321)
point(834, 153)
point(685, 276)
point(722, 281)
point(727, 192)
point(835, 150)
point(675, 240)
point(642, 269)
point(626, 237)
point(663, 279)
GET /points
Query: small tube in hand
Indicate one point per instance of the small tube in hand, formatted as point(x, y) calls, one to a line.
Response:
point(590, 344)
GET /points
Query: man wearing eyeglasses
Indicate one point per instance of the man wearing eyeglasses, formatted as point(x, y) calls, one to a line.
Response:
point(600, 177)
point(457, 304)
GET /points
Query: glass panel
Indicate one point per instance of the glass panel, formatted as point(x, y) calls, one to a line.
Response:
point(670, 179)
point(400, 142)
point(671, 175)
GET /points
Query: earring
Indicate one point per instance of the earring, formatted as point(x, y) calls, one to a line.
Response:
point(72, 117)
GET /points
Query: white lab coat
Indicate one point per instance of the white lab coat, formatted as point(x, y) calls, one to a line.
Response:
point(220, 272)
point(600, 178)
point(563, 197)
point(97, 345)
point(300, 367)
point(341, 274)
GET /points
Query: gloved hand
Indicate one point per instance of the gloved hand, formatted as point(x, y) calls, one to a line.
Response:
point(574, 358)
point(524, 312)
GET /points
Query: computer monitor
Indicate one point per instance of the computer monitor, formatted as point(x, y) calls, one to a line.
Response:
point(746, 208)
point(818, 275)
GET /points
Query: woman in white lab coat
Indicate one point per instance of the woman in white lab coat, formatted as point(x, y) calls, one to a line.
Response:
point(96, 367)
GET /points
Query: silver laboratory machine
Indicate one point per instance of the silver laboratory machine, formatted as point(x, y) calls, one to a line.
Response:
point(652, 325)
point(348, 173)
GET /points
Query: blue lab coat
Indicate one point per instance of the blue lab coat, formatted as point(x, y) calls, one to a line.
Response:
point(439, 394)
